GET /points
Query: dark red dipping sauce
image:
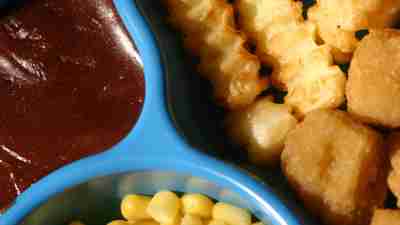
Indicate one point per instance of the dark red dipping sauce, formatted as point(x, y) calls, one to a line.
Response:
point(71, 85)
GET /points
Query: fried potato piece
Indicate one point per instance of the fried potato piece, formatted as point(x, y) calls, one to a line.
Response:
point(394, 184)
point(339, 20)
point(276, 22)
point(386, 217)
point(261, 129)
point(209, 29)
point(288, 43)
point(317, 85)
point(337, 167)
point(373, 87)
point(393, 145)
point(278, 30)
point(258, 15)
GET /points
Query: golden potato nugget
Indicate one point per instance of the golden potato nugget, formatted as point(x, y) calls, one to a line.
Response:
point(386, 217)
point(393, 145)
point(288, 43)
point(337, 167)
point(373, 87)
point(209, 30)
point(339, 20)
point(261, 129)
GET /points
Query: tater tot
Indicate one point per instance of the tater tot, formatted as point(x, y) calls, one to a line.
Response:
point(261, 129)
point(337, 166)
point(231, 214)
point(339, 20)
point(133, 207)
point(165, 207)
point(197, 204)
point(393, 145)
point(373, 87)
point(386, 217)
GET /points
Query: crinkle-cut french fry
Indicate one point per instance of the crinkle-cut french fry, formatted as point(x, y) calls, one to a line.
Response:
point(255, 15)
point(278, 30)
point(209, 30)
point(288, 43)
point(339, 20)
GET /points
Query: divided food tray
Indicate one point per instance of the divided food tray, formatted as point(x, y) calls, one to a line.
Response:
point(170, 147)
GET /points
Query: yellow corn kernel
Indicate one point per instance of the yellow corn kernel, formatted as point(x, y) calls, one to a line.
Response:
point(177, 220)
point(231, 214)
point(119, 222)
point(197, 204)
point(216, 222)
point(165, 207)
point(133, 207)
point(191, 220)
point(146, 222)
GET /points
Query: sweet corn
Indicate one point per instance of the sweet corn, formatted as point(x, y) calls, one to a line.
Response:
point(230, 214)
point(197, 204)
point(76, 223)
point(147, 222)
point(177, 220)
point(216, 222)
point(191, 220)
point(165, 207)
point(133, 207)
point(119, 222)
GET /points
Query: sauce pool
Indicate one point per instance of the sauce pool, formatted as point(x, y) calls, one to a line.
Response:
point(71, 85)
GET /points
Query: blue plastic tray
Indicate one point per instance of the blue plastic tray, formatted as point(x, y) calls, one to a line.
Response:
point(155, 146)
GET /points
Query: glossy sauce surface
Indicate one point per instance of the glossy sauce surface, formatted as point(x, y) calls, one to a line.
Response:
point(71, 85)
